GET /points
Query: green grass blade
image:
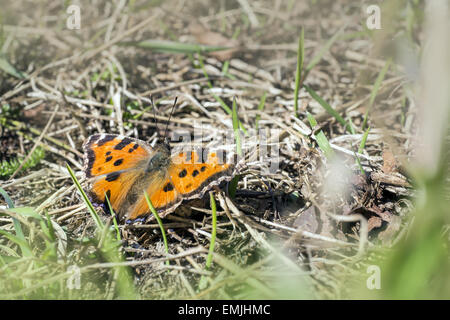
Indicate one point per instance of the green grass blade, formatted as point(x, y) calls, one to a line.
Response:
point(214, 231)
point(311, 119)
point(358, 161)
point(158, 219)
point(27, 212)
point(261, 105)
point(116, 226)
point(237, 134)
point(88, 203)
point(378, 81)
point(8, 200)
point(360, 150)
point(324, 145)
point(234, 182)
point(226, 66)
point(107, 246)
point(232, 187)
point(174, 47)
point(19, 241)
point(363, 141)
point(222, 103)
point(9, 251)
point(30, 212)
point(47, 227)
point(351, 126)
point(218, 99)
point(323, 50)
point(109, 250)
point(299, 71)
point(375, 89)
point(8, 68)
point(26, 251)
point(321, 139)
point(327, 107)
point(203, 280)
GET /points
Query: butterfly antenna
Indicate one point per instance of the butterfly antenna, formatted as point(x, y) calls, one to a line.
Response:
point(170, 116)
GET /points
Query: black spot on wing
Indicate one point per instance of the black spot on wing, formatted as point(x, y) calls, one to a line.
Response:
point(182, 173)
point(227, 173)
point(195, 173)
point(133, 148)
point(122, 144)
point(112, 176)
point(203, 168)
point(90, 162)
point(108, 137)
point(118, 162)
point(168, 187)
point(108, 153)
point(108, 158)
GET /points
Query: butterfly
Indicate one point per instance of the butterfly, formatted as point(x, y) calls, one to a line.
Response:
point(122, 168)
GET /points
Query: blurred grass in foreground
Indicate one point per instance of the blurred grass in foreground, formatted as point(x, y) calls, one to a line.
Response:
point(418, 267)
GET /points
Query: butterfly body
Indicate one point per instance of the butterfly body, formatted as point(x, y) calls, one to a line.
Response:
point(122, 168)
point(160, 159)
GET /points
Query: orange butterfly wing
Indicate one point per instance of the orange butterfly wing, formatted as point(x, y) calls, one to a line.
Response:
point(164, 197)
point(193, 173)
point(112, 163)
point(119, 167)
point(185, 178)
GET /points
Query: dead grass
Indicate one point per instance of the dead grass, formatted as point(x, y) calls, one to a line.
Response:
point(318, 221)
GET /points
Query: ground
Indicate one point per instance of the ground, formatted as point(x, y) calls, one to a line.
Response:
point(333, 196)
